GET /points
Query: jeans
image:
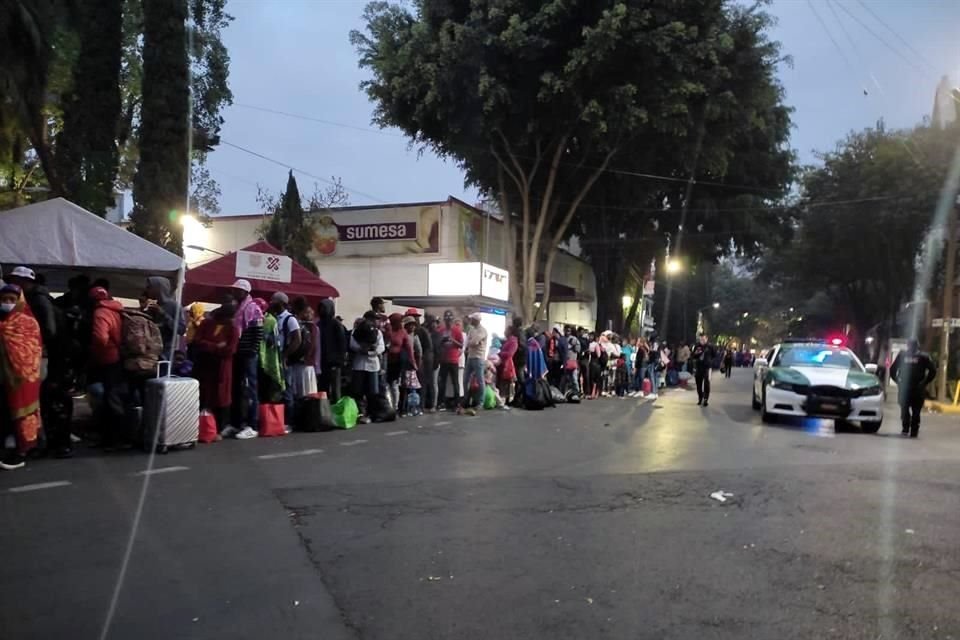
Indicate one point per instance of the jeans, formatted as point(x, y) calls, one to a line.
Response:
point(910, 409)
point(111, 412)
point(246, 404)
point(654, 376)
point(451, 371)
point(474, 368)
point(428, 380)
point(702, 376)
point(572, 378)
point(288, 394)
point(364, 384)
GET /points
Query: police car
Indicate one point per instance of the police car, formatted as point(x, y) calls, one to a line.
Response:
point(821, 379)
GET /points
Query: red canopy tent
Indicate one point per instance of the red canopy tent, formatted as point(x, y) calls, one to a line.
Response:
point(209, 281)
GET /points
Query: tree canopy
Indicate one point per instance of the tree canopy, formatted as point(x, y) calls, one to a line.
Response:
point(535, 101)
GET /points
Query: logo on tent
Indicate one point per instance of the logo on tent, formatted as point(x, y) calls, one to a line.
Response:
point(273, 263)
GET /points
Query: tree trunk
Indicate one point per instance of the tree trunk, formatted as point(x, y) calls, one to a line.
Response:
point(160, 186)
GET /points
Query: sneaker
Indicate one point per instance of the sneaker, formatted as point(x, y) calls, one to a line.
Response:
point(13, 460)
point(443, 409)
point(705, 403)
point(653, 396)
point(471, 412)
point(504, 407)
point(287, 429)
point(246, 433)
point(229, 431)
point(364, 420)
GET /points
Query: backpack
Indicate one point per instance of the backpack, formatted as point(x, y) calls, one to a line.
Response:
point(306, 340)
point(141, 345)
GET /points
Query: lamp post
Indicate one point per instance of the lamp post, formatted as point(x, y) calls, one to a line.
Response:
point(715, 305)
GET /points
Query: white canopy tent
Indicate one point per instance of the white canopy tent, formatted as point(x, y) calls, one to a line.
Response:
point(59, 239)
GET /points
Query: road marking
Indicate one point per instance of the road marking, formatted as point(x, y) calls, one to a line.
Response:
point(152, 472)
point(395, 433)
point(440, 424)
point(289, 454)
point(352, 442)
point(38, 486)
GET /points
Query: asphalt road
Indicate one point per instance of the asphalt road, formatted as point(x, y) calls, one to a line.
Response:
point(589, 521)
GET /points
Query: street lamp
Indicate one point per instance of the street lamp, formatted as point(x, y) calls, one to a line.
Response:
point(197, 247)
point(746, 313)
point(673, 266)
point(716, 305)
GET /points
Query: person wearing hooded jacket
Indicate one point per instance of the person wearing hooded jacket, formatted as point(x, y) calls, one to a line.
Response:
point(332, 348)
point(165, 311)
point(106, 365)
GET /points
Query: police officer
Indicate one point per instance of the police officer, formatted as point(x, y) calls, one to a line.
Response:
point(702, 356)
point(912, 370)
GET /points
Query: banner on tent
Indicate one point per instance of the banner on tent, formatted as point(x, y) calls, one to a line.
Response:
point(264, 266)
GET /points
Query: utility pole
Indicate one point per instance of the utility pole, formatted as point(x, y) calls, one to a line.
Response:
point(948, 282)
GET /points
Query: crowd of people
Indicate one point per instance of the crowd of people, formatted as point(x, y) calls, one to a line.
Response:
point(249, 351)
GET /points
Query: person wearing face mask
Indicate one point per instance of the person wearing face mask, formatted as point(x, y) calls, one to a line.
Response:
point(215, 343)
point(245, 405)
point(20, 354)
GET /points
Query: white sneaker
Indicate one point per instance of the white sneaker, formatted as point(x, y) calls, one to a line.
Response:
point(246, 434)
point(287, 429)
point(653, 396)
point(229, 431)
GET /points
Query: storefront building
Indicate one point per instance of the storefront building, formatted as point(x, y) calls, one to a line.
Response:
point(429, 255)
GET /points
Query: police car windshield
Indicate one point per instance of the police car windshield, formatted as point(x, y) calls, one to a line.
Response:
point(816, 355)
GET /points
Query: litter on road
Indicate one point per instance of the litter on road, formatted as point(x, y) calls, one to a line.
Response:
point(721, 495)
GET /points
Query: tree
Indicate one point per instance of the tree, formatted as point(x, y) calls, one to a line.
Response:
point(290, 224)
point(160, 185)
point(861, 222)
point(87, 158)
point(534, 100)
point(717, 186)
point(60, 127)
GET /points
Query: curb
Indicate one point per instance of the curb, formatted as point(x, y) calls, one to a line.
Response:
point(944, 408)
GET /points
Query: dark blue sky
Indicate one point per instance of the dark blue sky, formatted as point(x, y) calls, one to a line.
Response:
point(294, 56)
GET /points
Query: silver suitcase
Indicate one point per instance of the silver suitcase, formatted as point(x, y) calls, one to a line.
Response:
point(171, 413)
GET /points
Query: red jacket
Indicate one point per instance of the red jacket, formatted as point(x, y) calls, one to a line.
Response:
point(107, 325)
point(451, 352)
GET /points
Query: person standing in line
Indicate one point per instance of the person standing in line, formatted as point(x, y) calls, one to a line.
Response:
point(728, 362)
point(507, 371)
point(245, 403)
point(425, 367)
point(21, 349)
point(451, 342)
point(366, 345)
point(302, 374)
point(703, 355)
point(436, 341)
point(166, 313)
point(400, 358)
point(683, 357)
point(912, 370)
point(476, 362)
point(332, 349)
point(214, 346)
point(289, 333)
point(106, 366)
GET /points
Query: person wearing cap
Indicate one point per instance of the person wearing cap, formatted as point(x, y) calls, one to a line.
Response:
point(20, 355)
point(912, 370)
point(289, 328)
point(451, 343)
point(476, 361)
point(400, 357)
point(245, 403)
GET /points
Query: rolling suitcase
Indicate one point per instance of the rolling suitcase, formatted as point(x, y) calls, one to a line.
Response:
point(171, 414)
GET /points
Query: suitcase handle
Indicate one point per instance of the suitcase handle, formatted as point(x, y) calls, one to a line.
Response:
point(169, 368)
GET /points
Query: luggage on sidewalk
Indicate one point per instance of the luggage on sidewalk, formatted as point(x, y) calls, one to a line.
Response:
point(313, 413)
point(380, 409)
point(556, 395)
point(171, 413)
point(271, 420)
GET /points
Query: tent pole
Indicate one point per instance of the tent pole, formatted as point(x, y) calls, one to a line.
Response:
point(178, 296)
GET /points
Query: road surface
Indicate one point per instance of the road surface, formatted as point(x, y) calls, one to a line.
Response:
point(589, 521)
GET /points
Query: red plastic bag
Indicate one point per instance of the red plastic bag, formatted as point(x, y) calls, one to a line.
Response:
point(208, 427)
point(271, 420)
point(647, 387)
